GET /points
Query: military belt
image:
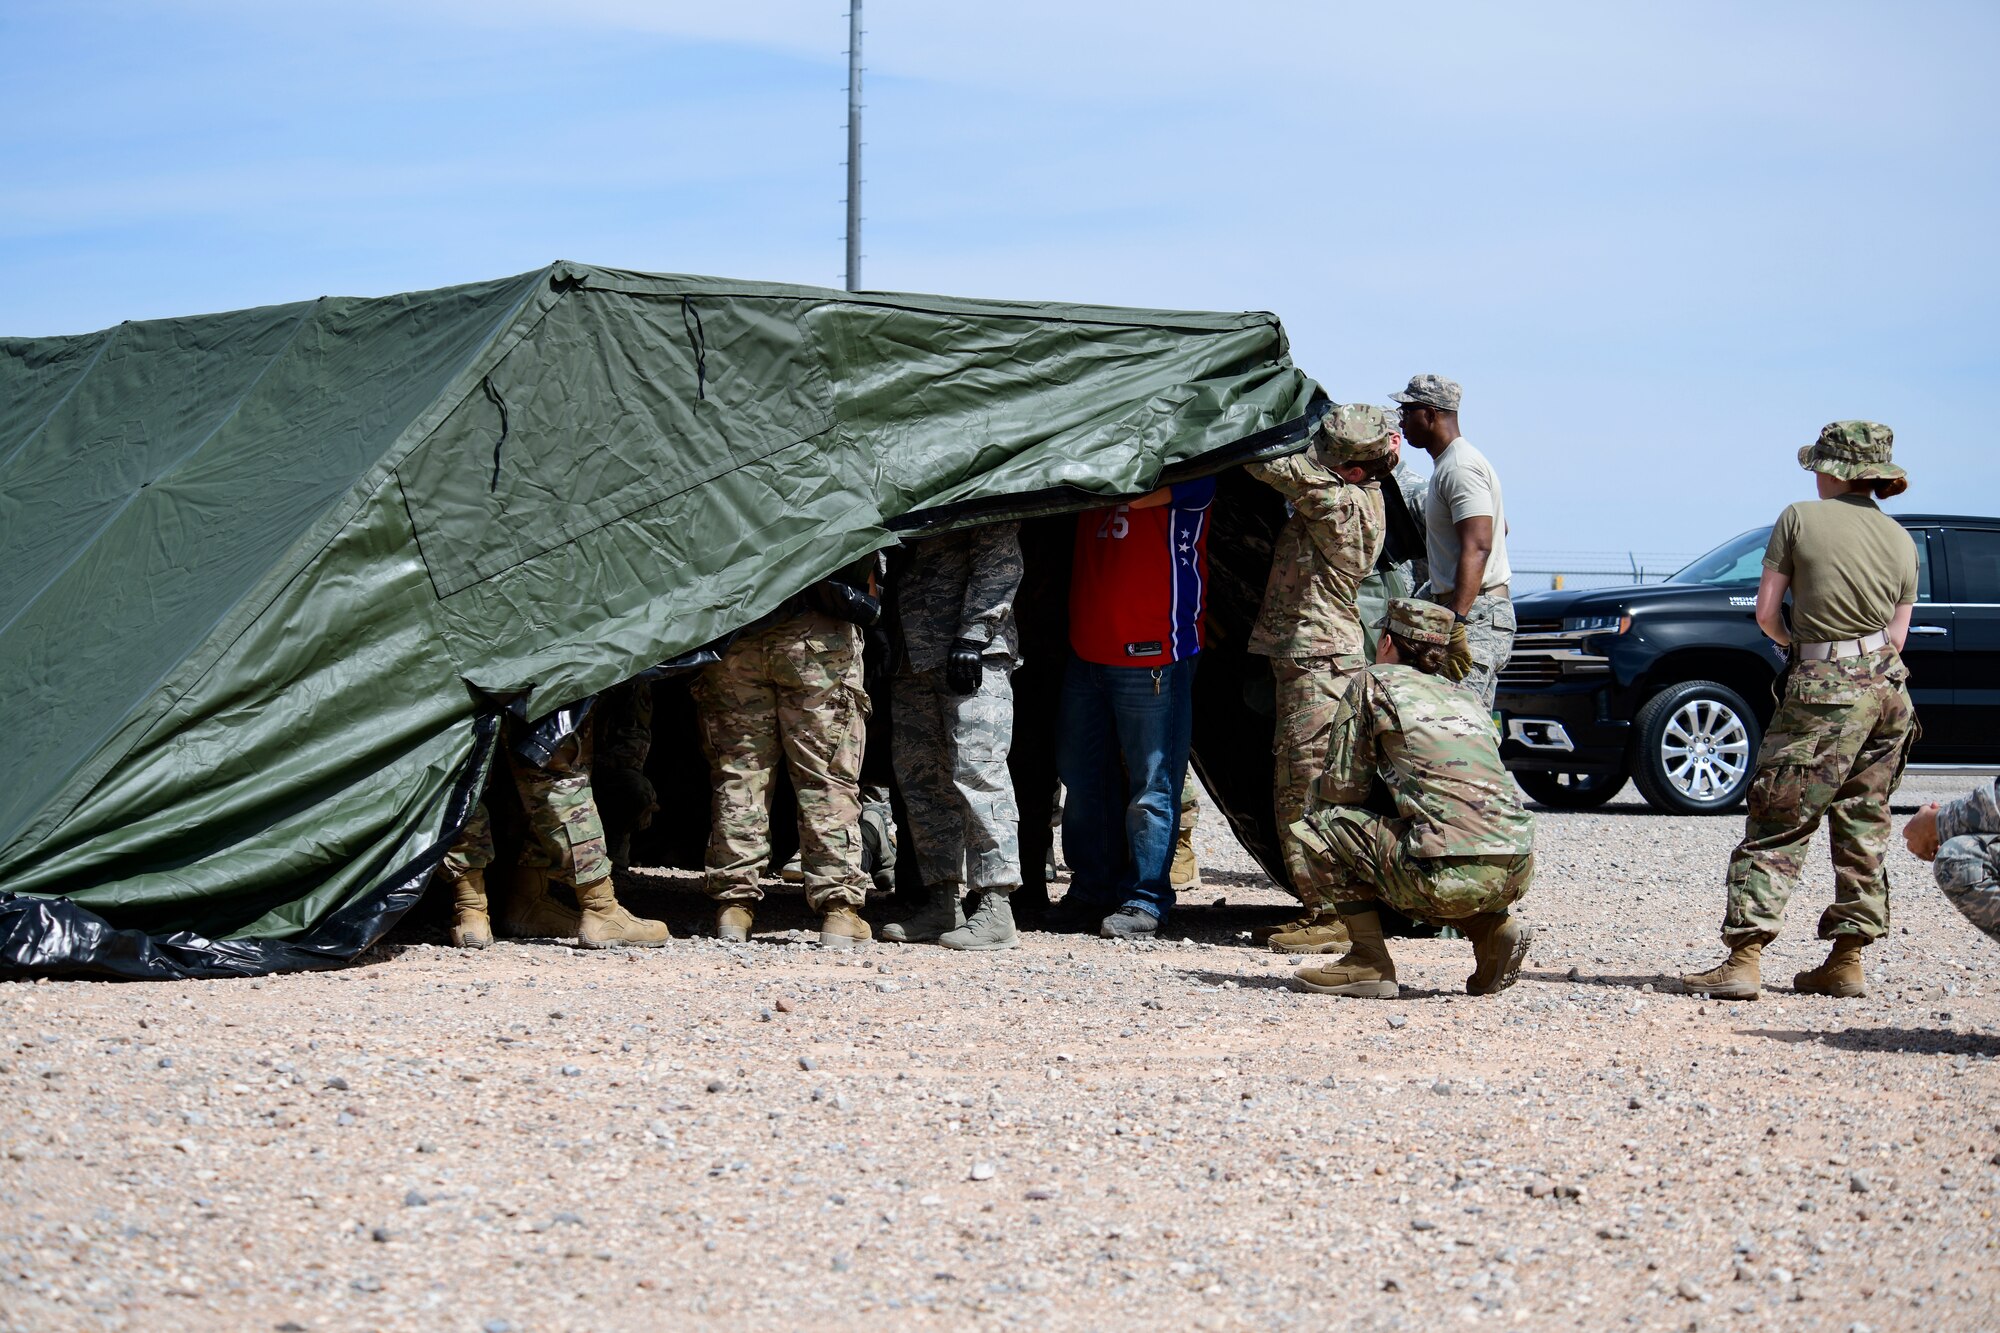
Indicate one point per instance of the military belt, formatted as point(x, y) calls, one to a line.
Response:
point(1827, 652)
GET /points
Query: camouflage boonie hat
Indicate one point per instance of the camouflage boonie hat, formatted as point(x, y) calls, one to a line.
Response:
point(1355, 433)
point(1419, 622)
point(1856, 451)
point(1430, 391)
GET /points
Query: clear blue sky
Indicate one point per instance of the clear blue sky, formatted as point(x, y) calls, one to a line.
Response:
point(1660, 245)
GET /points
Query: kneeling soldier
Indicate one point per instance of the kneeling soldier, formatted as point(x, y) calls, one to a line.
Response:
point(1460, 849)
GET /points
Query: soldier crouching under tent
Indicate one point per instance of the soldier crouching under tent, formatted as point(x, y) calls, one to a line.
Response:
point(1460, 849)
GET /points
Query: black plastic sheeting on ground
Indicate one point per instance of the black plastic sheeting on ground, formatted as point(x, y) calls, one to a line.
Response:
point(53, 937)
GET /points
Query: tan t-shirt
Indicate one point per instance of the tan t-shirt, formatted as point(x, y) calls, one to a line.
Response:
point(1850, 564)
point(1463, 485)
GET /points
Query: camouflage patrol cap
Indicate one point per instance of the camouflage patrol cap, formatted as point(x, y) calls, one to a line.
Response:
point(1355, 433)
point(1419, 622)
point(1430, 391)
point(1856, 451)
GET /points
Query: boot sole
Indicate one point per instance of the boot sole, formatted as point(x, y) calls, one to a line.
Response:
point(983, 946)
point(1511, 971)
point(622, 944)
point(1360, 990)
point(1717, 992)
point(1332, 946)
point(1832, 992)
point(839, 941)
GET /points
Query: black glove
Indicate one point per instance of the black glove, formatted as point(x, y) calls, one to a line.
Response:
point(844, 601)
point(962, 667)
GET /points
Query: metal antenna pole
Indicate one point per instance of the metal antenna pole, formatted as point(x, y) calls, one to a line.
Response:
point(853, 145)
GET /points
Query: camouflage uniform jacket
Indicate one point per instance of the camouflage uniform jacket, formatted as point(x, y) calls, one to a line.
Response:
point(1328, 545)
point(960, 586)
point(1433, 746)
point(1968, 863)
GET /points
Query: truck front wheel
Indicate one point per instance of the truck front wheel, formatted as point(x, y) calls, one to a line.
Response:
point(1696, 749)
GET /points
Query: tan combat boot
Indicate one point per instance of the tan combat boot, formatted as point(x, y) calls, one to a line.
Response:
point(733, 922)
point(471, 928)
point(1184, 872)
point(606, 925)
point(1319, 933)
point(1735, 978)
point(1839, 975)
point(531, 913)
point(943, 912)
point(843, 928)
point(1366, 971)
point(1499, 947)
point(1263, 934)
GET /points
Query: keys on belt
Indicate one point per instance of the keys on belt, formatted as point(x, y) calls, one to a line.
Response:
point(1826, 652)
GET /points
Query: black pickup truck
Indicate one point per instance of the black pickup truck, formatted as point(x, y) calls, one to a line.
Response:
point(1670, 684)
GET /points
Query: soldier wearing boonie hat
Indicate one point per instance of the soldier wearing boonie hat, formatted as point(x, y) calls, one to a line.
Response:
point(1465, 529)
point(1835, 748)
point(1309, 625)
point(1460, 848)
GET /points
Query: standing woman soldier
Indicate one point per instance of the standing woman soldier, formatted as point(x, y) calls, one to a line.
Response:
point(1837, 744)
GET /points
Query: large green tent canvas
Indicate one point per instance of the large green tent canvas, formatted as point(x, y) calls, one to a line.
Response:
point(267, 578)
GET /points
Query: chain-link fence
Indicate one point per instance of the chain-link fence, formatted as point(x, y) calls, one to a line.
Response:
point(1537, 571)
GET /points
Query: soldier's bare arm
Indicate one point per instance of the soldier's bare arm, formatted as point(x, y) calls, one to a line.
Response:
point(1770, 607)
point(1475, 548)
point(1899, 625)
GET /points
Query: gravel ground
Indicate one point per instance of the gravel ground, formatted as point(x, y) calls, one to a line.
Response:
point(1074, 1134)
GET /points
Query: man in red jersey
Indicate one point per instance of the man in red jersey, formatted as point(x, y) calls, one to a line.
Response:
point(1138, 601)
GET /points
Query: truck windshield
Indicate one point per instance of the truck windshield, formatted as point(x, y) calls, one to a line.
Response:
point(1738, 560)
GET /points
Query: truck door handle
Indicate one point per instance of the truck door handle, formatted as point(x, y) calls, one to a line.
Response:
point(1929, 629)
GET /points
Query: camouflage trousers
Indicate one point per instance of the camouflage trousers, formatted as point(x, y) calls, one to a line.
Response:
point(564, 835)
point(623, 724)
point(1308, 688)
point(789, 693)
point(1968, 874)
point(1834, 751)
point(951, 762)
point(1489, 632)
point(1369, 862)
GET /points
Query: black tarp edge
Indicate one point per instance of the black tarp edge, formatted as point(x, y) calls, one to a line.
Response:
point(54, 937)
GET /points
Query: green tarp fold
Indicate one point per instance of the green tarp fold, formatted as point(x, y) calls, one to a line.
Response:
point(261, 571)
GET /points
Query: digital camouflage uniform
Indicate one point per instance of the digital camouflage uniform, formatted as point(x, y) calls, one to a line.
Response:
point(1461, 843)
point(1489, 632)
point(564, 834)
point(786, 692)
point(950, 749)
point(623, 722)
point(1309, 624)
point(1835, 750)
point(1968, 859)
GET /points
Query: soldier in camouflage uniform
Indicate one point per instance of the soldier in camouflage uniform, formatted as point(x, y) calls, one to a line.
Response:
point(954, 723)
point(623, 721)
point(789, 690)
point(565, 843)
point(1311, 629)
point(1963, 839)
point(1184, 871)
point(1460, 850)
point(1835, 748)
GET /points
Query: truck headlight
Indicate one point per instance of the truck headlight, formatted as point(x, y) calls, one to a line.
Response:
point(1615, 624)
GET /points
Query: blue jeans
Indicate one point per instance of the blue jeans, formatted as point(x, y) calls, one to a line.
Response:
point(1123, 754)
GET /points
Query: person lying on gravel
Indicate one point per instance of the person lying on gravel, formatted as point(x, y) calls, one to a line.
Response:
point(1461, 849)
point(1963, 840)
